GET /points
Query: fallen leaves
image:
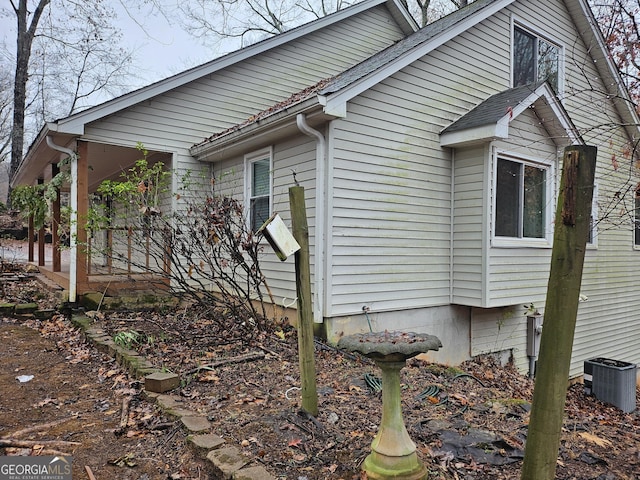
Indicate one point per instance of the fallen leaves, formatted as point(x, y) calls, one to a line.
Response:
point(602, 442)
point(295, 442)
point(127, 460)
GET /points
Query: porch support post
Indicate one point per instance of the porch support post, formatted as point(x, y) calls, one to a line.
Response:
point(31, 233)
point(82, 198)
point(55, 224)
point(41, 238)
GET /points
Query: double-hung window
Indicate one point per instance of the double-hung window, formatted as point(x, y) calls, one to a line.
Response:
point(534, 59)
point(521, 199)
point(258, 187)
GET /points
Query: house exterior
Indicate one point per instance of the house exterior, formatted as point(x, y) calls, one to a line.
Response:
point(430, 159)
point(170, 116)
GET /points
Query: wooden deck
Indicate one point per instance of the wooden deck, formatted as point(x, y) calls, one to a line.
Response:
point(111, 284)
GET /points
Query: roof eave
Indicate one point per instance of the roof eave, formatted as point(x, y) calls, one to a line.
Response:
point(261, 132)
point(39, 155)
point(473, 136)
point(75, 123)
point(362, 84)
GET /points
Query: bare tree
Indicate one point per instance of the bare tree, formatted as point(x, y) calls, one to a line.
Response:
point(251, 20)
point(5, 112)
point(619, 21)
point(66, 52)
point(27, 23)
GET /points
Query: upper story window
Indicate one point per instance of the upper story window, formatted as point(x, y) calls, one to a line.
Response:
point(521, 199)
point(636, 219)
point(534, 59)
point(258, 187)
point(592, 240)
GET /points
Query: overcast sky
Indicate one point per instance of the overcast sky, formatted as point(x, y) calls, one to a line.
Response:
point(161, 49)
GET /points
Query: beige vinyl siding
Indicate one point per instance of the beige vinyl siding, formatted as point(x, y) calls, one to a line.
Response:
point(188, 114)
point(469, 230)
point(298, 154)
point(520, 274)
point(607, 324)
point(391, 207)
point(500, 330)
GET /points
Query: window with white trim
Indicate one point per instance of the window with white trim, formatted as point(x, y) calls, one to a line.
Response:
point(592, 241)
point(258, 187)
point(521, 199)
point(636, 219)
point(534, 59)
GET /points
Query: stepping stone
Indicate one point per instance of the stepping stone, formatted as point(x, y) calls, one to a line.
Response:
point(195, 423)
point(253, 473)
point(205, 442)
point(227, 461)
point(161, 382)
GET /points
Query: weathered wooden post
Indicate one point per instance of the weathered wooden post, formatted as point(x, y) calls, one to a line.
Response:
point(306, 352)
point(572, 225)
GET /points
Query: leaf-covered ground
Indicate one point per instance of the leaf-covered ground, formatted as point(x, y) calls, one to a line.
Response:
point(468, 422)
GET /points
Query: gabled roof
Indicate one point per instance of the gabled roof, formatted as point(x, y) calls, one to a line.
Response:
point(74, 124)
point(338, 91)
point(491, 118)
point(387, 62)
point(384, 64)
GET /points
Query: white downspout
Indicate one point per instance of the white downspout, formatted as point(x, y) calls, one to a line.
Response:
point(319, 260)
point(73, 246)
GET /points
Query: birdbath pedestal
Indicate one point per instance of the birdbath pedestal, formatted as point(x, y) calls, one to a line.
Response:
point(393, 453)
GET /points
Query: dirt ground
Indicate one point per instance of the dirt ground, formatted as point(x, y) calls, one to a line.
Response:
point(76, 395)
point(468, 422)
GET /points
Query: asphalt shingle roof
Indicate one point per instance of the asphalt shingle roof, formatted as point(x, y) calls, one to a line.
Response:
point(403, 46)
point(493, 108)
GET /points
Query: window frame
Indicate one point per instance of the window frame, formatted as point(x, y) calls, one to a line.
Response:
point(250, 160)
point(636, 220)
point(592, 241)
point(545, 241)
point(539, 35)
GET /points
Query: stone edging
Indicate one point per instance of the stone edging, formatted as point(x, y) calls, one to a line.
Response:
point(228, 461)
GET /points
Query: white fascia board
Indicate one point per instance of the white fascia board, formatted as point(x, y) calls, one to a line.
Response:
point(74, 124)
point(70, 128)
point(469, 136)
point(562, 116)
point(400, 13)
point(368, 81)
point(332, 106)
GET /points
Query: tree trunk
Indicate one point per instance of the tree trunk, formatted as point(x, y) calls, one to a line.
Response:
point(572, 225)
point(24, 41)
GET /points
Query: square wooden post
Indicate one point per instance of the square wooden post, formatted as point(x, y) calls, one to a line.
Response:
point(41, 233)
point(55, 224)
point(82, 277)
point(32, 235)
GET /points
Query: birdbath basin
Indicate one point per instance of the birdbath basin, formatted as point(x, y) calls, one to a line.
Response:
point(393, 453)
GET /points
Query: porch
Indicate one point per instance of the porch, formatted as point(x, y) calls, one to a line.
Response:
point(54, 263)
point(83, 267)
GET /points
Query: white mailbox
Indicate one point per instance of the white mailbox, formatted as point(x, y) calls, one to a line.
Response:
point(279, 237)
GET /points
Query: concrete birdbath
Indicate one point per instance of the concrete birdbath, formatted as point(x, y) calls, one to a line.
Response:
point(393, 453)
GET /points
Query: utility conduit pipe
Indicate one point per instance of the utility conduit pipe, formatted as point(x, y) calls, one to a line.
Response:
point(73, 246)
point(319, 220)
